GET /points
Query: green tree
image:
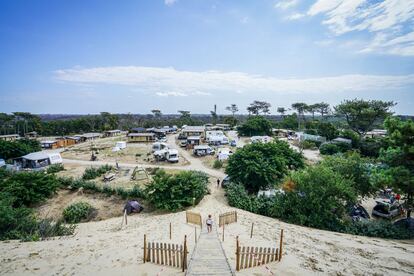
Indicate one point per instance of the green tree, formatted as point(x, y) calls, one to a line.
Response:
point(399, 156)
point(233, 109)
point(361, 115)
point(282, 111)
point(323, 108)
point(317, 197)
point(258, 107)
point(256, 125)
point(262, 165)
point(300, 108)
point(327, 130)
point(354, 168)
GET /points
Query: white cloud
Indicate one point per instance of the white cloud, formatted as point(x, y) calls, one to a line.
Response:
point(386, 20)
point(170, 82)
point(286, 4)
point(170, 2)
point(295, 16)
point(171, 94)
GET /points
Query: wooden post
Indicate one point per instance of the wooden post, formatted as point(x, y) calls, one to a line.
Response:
point(126, 217)
point(251, 231)
point(145, 248)
point(237, 254)
point(280, 245)
point(184, 252)
point(170, 231)
point(236, 215)
point(223, 231)
point(195, 234)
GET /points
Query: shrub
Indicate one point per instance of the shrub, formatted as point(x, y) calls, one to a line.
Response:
point(77, 212)
point(55, 168)
point(217, 164)
point(328, 149)
point(308, 145)
point(29, 188)
point(176, 191)
point(262, 165)
point(377, 228)
point(92, 173)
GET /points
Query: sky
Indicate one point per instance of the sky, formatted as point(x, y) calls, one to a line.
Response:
point(84, 57)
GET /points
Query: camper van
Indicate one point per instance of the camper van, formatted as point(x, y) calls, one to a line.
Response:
point(203, 150)
point(159, 146)
point(170, 155)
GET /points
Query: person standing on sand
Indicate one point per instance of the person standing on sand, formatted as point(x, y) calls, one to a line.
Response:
point(209, 223)
point(218, 182)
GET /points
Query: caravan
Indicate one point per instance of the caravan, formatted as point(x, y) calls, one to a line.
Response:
point(170, 155)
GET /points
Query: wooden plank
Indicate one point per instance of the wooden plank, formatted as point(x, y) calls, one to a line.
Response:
point(261, 256)
point(145, 247)
point(172, 255)
point(242, 259)
point(149, 252)
point(268, 255)
point(249, 255)
point(153, 252)
point(277, 255)
point(281, 245)
point(177, 255)
point(255, 256)
point(272, 259)
point(158, 252)
point(169, 255)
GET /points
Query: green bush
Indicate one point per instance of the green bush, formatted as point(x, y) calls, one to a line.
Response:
point(77, 212)
point(28, 188)
point(176, 191)
point(328, 149)
point(92, 173)
point(55, 168)
point(308, 145)
point(217, 164)
point(262, 165)
point(377, 228)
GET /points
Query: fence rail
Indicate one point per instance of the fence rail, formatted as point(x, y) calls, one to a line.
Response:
point(194, 218)
point(251, 256)
point(168, 254)
point(227, 218)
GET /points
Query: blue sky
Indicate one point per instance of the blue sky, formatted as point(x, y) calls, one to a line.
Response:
point(134, 56)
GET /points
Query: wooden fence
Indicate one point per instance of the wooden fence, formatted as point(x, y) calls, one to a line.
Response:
point(168, 254)
point(194, 218)
point(251, 256)
point(227, 218)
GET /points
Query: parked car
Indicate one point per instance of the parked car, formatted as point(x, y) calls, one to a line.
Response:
point(387, 210)
point(233, 143)
point(226, 181)
point(2, 163)
point(358, 213)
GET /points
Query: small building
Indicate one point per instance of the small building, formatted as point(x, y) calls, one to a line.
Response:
point(193, 141)
point(339, 140)
point(138, 130)
point(141, 137)
point(38, 160)
point(49, 144)
point(89, 136)
point(282, 133)
point(193, 131)
point(112, 133)
point(309, 137)
point(31, 135)
point(9, 137)
point(223, 127)
point(376, 133)
point(74, 139)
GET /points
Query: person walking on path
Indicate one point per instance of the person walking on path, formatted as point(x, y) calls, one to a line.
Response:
point(218, 182)
point(209, 223)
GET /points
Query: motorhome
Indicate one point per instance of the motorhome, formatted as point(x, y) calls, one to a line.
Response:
point(159, 146)
point(170, 155)
point(203, 150)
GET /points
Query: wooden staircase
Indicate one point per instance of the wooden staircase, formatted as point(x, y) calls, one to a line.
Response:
point(208, 257)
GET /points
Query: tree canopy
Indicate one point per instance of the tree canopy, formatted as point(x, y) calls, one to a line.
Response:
point(362, 115)
point(256, 125)
point(262, 165)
